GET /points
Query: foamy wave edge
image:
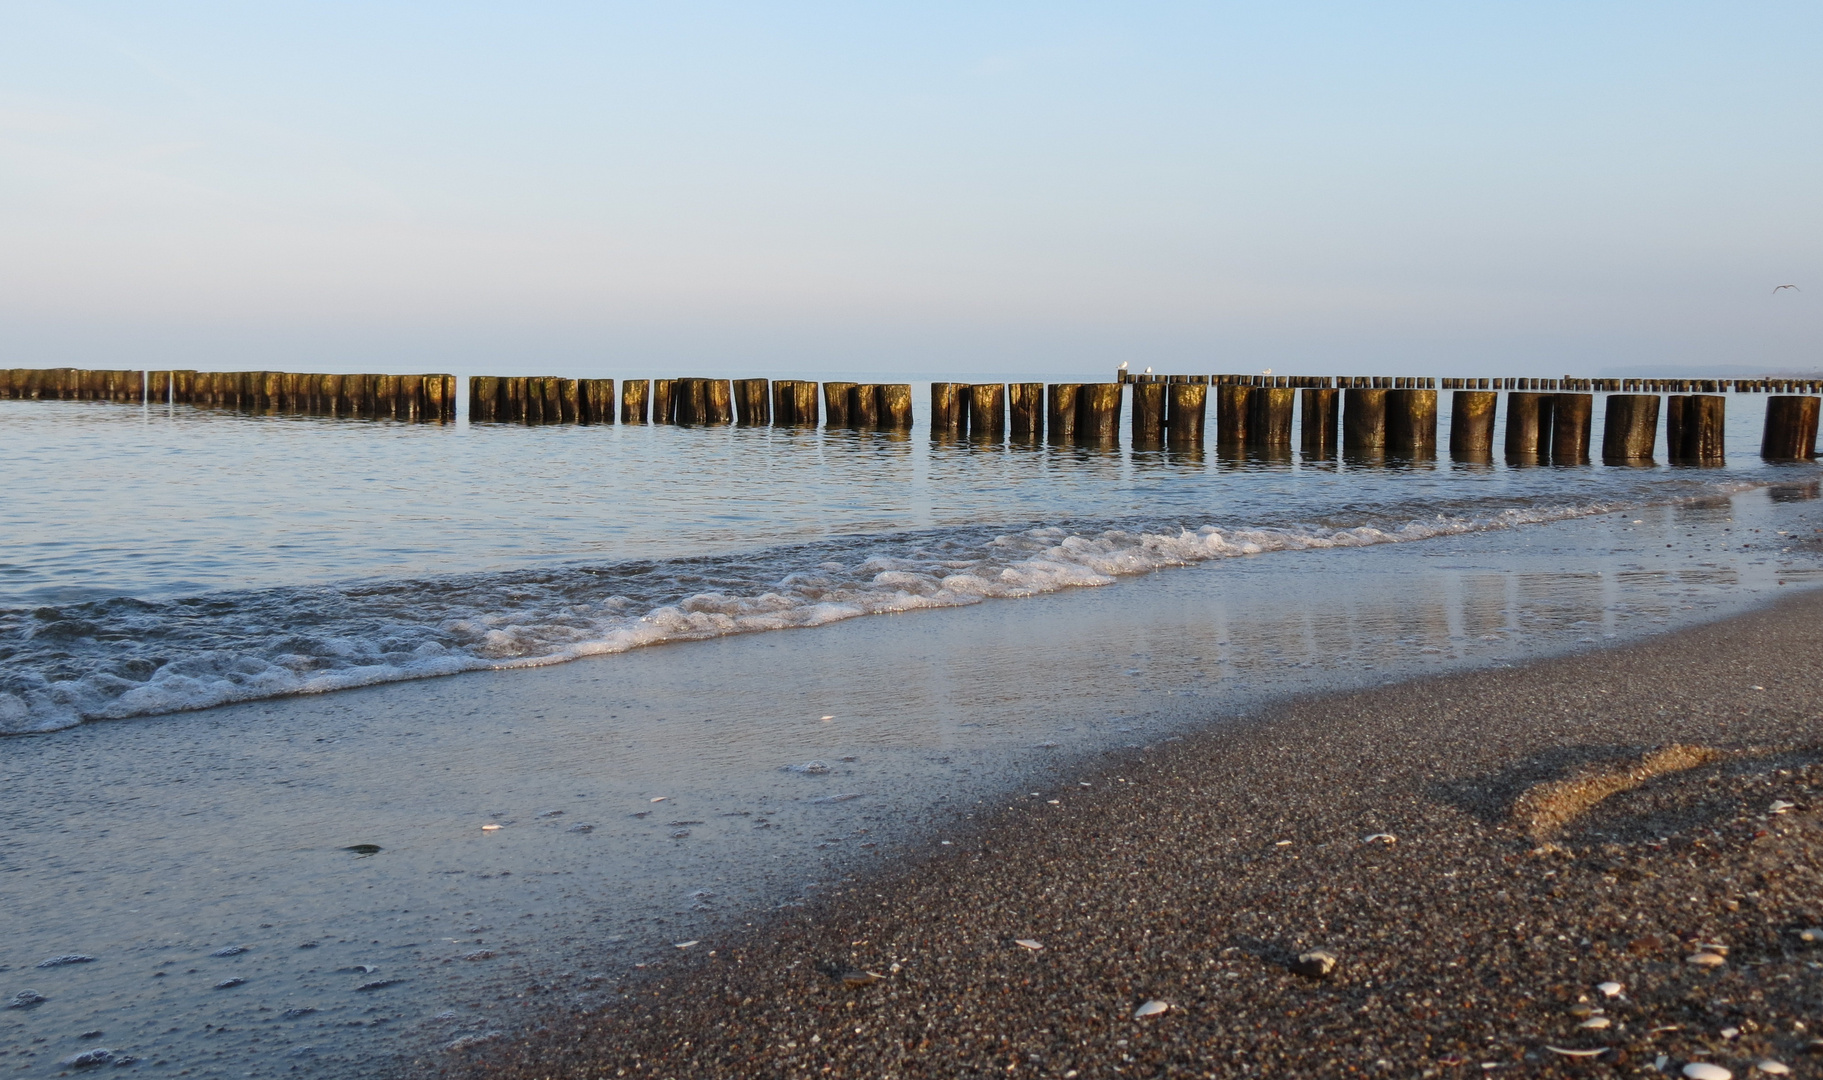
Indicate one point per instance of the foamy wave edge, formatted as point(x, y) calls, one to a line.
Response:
point(1038, 561)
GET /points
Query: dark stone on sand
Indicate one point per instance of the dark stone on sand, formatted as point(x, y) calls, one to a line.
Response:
point(1315, 964)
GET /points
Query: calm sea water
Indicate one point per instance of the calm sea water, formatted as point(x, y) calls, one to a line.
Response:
point(169, 558)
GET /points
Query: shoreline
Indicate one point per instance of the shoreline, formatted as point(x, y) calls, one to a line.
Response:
point(1469, 941)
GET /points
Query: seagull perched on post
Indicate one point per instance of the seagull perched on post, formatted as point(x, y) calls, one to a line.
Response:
point(1123, 366)
point(1776, 288)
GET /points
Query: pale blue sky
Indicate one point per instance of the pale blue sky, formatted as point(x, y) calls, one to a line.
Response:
point(985, 188)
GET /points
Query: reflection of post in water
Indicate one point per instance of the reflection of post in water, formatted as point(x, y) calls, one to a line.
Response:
point(1472, 424)
point(1693, 428)
point(1629, 430)
point(1319, 423)
point(1791, 429)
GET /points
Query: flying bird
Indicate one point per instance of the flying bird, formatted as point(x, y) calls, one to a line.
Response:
point(1776, 288)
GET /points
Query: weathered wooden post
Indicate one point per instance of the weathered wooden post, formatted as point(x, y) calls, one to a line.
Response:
point(1060, 411)
point(1411, 423)
point(948, 408)
point(483, 398)
point(690, 401)
point(1530, 418)
point(987, 411)
point(600, 400)
point(633, 396)
point(1629, 433)
point(864, 406)
point(1025, 405)
point(718, 401)
point(8, 383)
point(1472, 424)
point(896, 406)
point(835, 404)
point(1269, 418)
point(1148, 414)
point(569, 401)
point(1098, 412)
point(1364, 420)
point(1693, 428)
point(1791, 429)
point(1231, 415)
point(752, 404)
point(411, 398)
point(1318, 428)
point(1186, 408)
point(1572, 419)
point(804, 411)
point(664, 402)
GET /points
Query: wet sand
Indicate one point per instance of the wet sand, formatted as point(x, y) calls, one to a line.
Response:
point(1402, 829)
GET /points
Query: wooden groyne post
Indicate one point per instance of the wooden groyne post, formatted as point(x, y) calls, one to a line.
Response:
point(1629, 433)
point(1060, 408)
point(1321, 422)
point(1571, 422)
point(1148, 417)
point(752, 402)
point(1530, 418)
point(1098, 412)
point(634, 394)
point(1025, 411)
point(1693, 428)
point(1472, 424)
point(1186, 409)
point(987, 411)
point(1364, 420)
point(1791, 429)
point(1411, 422)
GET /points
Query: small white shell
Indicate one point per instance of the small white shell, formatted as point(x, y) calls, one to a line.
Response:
point(1577, 1053)
point(490, 828)
point(1706, 1070)
point(1610, 989)
point(1595, 1022)
point(684, 944)
point(1704, 959)
point(1773, 1068)
point(1151, 1008)
point(1028, 943)
point(1380, 838)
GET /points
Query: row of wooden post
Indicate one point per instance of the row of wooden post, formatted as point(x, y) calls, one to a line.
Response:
point(417, 398)
point(1366, 415)
point(747, 402)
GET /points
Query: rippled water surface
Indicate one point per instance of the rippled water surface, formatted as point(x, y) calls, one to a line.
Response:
point(170, 558)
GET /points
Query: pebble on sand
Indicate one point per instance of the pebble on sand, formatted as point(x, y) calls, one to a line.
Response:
point(1595, 1023)
point(1151, 1008)
point(855, 978)
point(1705, 959)
point(1315, 964)
point(1610, 989)
point(1706, 1070)
point(1773, 1068)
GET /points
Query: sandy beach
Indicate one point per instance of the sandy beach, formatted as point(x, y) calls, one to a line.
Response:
point(1596, 864)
